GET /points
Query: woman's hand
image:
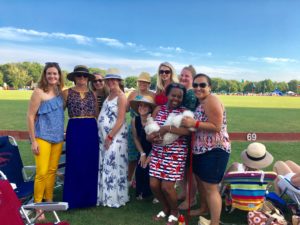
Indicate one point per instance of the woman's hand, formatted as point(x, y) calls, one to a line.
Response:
point(142, 160)
point(107, 142)
point(155, 138)
point(188, 122)
point(35, 148)
point(145, 164)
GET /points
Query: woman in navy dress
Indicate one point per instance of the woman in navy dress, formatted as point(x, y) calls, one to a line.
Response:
point(82, 143)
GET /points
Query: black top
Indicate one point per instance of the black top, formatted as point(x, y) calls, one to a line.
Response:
point(146, 145)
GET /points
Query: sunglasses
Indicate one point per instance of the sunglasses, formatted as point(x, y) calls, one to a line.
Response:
point(81, 75)
point(202, 85)
point(164, 72)
point(96, 81)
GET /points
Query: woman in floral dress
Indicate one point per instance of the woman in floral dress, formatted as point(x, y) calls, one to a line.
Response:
point(113, 163)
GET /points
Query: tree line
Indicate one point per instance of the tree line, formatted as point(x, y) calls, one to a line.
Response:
point(25, 74)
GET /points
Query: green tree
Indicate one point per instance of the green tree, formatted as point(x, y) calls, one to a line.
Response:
point(153, 82)
point(131, 82)
point(293, 86)
point(1, 78)
point(97, 70)
point(34, 70)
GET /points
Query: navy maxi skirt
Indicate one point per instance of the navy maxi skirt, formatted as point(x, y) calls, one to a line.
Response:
point(82, 160)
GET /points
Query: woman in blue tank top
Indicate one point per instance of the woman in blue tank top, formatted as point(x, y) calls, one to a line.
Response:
point(45, 120)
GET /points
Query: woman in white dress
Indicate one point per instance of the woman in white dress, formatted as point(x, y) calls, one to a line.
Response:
point(113, 163)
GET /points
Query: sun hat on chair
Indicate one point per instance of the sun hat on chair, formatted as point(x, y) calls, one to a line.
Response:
point(256, 156)
point(80, 70)
point(113, 73)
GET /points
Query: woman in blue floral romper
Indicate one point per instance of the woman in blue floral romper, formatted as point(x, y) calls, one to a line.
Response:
point(113, 163)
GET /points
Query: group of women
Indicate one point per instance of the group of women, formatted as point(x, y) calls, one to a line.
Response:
point(97, 145)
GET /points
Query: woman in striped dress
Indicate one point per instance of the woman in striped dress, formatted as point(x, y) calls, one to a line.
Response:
point(168, 162)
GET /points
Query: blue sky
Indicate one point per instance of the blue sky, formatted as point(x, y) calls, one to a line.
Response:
point(231, 39)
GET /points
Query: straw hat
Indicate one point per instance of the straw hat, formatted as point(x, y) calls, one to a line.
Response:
point(134, 104)
point(256, 156)
point(113, 73)
point(144, 76)
point(80, 70)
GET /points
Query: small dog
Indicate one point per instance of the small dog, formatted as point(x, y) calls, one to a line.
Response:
point(172, 120)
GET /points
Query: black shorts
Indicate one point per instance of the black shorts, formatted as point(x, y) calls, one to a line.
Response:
point(210, 166)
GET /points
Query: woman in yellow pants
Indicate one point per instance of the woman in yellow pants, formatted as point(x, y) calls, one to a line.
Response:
point(45, 120)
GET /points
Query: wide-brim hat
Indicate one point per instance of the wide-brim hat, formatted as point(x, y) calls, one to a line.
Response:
point(113, 73)
point(256, 156)
point(144, 76)
point(80, 70)
point(134, 104)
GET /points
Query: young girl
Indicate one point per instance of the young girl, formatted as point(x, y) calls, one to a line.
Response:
point(143, 107)
point(168, 162)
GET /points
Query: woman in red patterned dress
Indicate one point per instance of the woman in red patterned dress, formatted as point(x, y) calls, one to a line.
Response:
point(168, 162)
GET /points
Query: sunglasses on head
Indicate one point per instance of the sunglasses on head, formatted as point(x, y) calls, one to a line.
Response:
point(81, 75)
point(202, 85)
point(164, 72)
point(96, 81)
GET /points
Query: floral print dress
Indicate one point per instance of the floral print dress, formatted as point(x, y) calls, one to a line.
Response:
point(113, 163)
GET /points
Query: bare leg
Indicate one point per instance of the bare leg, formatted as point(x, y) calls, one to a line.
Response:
point(293, 166)
point(281, 168)
point(131, 169)
point(171, 196)
point(214, 201)
point(156, 187)
point(203, 203)
point(185, 204)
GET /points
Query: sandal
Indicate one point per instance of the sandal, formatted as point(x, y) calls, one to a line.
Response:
point(172, 220)
point(160, 216)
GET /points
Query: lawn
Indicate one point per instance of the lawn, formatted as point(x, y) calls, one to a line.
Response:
point(245, 114)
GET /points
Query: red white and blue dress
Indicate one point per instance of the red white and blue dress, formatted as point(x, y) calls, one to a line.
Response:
point(168, 162)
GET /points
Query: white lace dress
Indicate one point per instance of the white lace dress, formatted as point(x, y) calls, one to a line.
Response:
point(113, 163)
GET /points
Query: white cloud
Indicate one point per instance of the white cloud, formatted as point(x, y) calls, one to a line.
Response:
point(278, 60)
point(272, 60)
point(111, 42)
point(174, 49)
point(23, 35)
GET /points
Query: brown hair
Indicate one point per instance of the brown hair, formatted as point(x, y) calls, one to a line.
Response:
point(43, 83)
point(191, 69)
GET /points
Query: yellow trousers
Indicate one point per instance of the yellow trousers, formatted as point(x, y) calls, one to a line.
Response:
point(46, 167)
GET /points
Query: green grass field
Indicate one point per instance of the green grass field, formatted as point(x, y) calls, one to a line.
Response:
point(245, 114)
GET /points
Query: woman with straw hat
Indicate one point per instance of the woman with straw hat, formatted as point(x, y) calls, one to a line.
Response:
point(143, 106)
point(113, 164)
point(143, 85)
point(82, 144)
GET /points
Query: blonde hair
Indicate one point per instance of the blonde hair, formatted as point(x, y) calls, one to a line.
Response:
point(174, 78)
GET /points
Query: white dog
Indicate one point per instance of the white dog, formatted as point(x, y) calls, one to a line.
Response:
point(172, 120)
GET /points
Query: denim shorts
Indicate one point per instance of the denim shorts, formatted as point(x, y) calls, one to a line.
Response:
point(210, 166)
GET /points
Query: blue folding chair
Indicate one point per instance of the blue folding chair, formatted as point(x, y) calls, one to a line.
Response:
point(11, 164)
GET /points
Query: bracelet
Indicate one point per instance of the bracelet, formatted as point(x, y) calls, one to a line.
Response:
point(197, 124)
point(109, 137)
point(142, 154)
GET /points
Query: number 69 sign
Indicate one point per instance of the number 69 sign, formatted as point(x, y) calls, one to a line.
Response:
point(251, 137)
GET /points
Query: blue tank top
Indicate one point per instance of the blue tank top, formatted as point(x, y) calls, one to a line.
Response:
point(49, 124)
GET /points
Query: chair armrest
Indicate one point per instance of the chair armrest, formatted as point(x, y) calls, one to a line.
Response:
point(28, 172)
point(48, 206)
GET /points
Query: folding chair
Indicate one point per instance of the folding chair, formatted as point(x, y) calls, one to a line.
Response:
point(289, 189)
point(11, 164)
point(247, 190)
point(13, 213)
